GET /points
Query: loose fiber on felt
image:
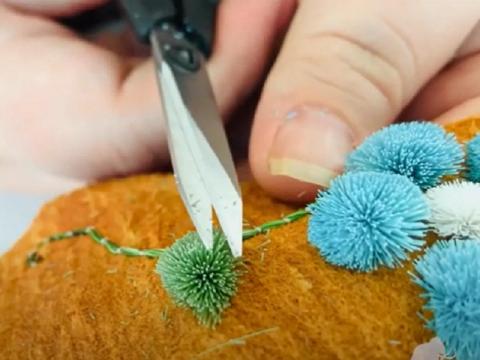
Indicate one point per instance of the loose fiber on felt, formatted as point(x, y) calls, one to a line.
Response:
point(82, 302)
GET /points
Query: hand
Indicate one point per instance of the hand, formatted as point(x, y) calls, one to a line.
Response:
point(72, 110)
point(346, 69)
point(349, 67)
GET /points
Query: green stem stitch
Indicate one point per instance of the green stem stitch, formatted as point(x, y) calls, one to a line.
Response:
point(262, 229)
point(34, 257)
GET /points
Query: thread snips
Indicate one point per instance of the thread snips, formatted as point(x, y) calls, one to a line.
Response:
point(181, 35)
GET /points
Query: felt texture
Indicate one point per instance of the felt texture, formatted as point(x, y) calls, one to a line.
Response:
point(83, 303)
point(465, 129)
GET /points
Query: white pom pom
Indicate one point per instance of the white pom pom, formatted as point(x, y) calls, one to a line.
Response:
point(455, 209)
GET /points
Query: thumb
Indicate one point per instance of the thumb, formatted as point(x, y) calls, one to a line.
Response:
point(346, 69)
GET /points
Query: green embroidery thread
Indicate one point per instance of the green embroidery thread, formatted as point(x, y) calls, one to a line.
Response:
point(34, 257)
point(195, 277)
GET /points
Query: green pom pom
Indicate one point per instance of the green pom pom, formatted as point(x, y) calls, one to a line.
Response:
point(200, 279)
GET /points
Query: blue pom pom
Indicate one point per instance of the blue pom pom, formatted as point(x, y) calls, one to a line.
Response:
point(473, 159)
point(367, 219)
point(422, 151)
point(449, 273)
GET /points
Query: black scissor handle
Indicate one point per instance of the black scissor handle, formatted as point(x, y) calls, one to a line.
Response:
point(195, 19)
point(199, 17)
point(144, 15)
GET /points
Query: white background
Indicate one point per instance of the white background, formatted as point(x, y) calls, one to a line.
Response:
point(16, 213)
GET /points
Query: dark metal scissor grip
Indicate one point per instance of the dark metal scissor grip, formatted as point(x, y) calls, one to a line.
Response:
point(194, 19)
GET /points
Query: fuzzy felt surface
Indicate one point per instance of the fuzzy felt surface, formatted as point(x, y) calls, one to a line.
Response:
point(84, 303)
point(465, 129)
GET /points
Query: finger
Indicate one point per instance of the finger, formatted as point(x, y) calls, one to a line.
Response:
point(453, 88)
point(54, 7)
point(346, 69)
point(471, 44)
point(82, 111)
point(468, 108)
point(245, 44)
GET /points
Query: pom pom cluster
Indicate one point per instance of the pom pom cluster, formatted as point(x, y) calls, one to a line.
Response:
point(200, 279)
point(421, 151)
point(368, 219)
point(455, 208)
point(473, 159)
point(450, 275)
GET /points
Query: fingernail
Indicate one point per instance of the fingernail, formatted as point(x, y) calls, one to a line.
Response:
point(311, 145)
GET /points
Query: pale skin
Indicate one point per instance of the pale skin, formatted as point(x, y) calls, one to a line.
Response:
point(74, 111)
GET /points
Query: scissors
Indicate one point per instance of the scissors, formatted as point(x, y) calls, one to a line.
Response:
point(181, 36)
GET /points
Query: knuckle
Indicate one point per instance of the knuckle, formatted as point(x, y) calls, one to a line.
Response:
point(370, 60)
point(372, 69)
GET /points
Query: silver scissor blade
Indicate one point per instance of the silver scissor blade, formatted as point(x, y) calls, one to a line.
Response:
point(217, 169)
point(205, 113)
point(192, 189)
point(201, 150)
point(201, 105)
point(224, 196)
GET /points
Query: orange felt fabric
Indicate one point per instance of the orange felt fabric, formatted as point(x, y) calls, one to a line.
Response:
point(84, 303)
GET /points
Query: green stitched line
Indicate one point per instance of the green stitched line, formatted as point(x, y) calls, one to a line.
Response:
point(264, 228)
point(33, 258)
